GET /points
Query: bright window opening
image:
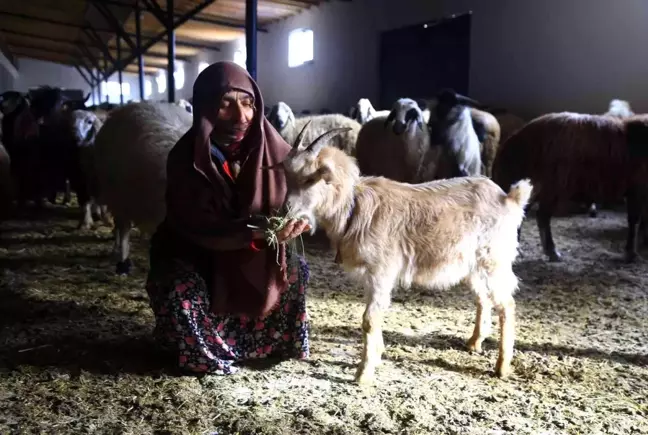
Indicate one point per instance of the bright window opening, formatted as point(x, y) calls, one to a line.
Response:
point(111, 89)
point(148, 88)
point(202, 66)
point(179, 76)
point(240, 58)
point(300, 47)
point(161, 82)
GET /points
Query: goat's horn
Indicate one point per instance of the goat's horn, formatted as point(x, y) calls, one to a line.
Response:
point(316, 146)
point(300, 136)
point(469, 101)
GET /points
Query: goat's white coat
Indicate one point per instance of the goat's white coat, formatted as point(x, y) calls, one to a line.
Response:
point(437, 234)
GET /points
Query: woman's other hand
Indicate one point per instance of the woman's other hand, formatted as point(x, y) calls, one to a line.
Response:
point(292, 229)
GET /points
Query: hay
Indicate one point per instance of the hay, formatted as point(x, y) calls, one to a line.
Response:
point(274, 224)
point(88, 364)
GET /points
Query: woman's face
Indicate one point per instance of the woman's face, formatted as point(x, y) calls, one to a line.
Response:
point(235, 115)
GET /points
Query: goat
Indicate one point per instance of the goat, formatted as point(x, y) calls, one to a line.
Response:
point(435, 234)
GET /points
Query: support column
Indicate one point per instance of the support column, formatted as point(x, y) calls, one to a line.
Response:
point(138, 43)
point(170, 51)
point(251, 37)
point(119, 70)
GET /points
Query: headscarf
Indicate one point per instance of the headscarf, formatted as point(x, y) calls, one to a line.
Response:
point(214, 214)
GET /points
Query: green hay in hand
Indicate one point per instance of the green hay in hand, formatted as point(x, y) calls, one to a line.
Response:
point(277, 223)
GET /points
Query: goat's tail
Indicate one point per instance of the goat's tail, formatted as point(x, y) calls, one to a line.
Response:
point(520, 193)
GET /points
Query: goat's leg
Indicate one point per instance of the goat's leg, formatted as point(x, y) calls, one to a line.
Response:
point(483, 319)
point(592, 210)
point(86, 221)
point(106, 218)
point(122, 235)
point(543, 218)
point(634, 208)
point(501, 286)
point(67, 195)
point(378, 298)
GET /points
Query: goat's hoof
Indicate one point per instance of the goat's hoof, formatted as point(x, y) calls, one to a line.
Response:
point(503, 370)
point(474, 346)
point(124, 267)
point(364, 376)
point(632, 257)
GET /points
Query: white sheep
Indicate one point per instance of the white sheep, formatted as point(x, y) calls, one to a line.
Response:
point(619, 108)
point(436, 234)
point(85, 126)
point(364, 112)
point(452, 126)
point(283, 119)
point(186, 105)
point(130, 153)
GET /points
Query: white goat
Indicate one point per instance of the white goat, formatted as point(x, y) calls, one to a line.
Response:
point(436, 234)
point(130, 155)
point(283, 119)
point(364, 112)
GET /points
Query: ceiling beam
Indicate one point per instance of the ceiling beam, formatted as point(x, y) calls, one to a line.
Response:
point(50, 21)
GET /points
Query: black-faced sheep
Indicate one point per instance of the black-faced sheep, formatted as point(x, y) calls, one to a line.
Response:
point(130, 159)
point(283, 119)
point(578, 157)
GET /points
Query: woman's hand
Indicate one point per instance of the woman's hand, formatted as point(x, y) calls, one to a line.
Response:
point(292, 229)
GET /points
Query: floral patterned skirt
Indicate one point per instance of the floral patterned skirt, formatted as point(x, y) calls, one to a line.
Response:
point(207, 343)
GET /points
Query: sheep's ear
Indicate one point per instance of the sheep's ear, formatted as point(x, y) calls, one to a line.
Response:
point(637, 138)
point(300, 136)
point(316, 146)
point(390, 118)
point(92, 133)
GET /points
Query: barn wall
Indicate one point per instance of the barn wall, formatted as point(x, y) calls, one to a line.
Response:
point(34, 73)
point(531, 57)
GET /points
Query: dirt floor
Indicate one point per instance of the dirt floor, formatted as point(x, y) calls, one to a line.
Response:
point(76, 355)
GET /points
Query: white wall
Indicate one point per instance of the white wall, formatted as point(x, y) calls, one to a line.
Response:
point(34, 73)
point(530, 56)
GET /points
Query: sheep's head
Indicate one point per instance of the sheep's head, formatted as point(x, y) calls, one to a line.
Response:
point(9, 101)
point(406, 115)
point(318, 177)
point(620, 109)
point(84, 126)
point(281, 115)
point(363, 111)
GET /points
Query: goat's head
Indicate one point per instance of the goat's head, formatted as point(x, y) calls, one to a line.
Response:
point(84, 126)
point(405, 115)
point(450, 105)
point(281, 115)
point(318, 176)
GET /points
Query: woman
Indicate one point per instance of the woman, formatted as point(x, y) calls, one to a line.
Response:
point(220, 294)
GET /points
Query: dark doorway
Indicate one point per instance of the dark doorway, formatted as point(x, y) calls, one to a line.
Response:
point(417, 61)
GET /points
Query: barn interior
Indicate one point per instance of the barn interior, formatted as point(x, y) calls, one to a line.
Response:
point(553, 91)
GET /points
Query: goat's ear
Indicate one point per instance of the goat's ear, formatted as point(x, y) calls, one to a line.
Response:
point(637, 138)
point(390, 118)
point(325, 173)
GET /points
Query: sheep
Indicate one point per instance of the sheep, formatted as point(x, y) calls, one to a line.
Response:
point(130, 157)
point(452, 126)
point(398, 146)
point(85, 126)
point(577, 157)
point(186, 105)
point(619, 108)
point(6, 183)
point(284, 121)
point(364, 112)
point(436, 234)
point(509, 123)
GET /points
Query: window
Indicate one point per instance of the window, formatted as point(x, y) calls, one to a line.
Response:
point(179, 76)
point(148, 88)
point(202, 66)
point(240, 58)
point(300, 47)
point(161, 82)
point(111, 89)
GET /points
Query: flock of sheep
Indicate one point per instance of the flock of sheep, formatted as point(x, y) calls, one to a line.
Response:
point(431, 191)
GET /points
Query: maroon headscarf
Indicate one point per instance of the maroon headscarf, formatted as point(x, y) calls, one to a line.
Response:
point(203, 208)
